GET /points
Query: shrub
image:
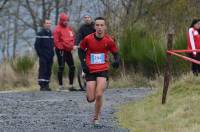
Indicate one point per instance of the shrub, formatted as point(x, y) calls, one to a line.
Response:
point(144, 51)
point(23, 65)
point(180, 65)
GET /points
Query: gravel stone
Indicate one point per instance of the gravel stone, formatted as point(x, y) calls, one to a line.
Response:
point(62, 111)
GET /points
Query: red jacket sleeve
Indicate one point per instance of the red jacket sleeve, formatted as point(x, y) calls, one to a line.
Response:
point(193, 40)
point(56, 35)
point(69, 39)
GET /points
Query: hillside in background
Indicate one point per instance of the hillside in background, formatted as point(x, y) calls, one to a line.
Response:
point(21, 19)
point(140, 27)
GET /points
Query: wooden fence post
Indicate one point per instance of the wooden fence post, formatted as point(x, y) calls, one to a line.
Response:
point(167, 74)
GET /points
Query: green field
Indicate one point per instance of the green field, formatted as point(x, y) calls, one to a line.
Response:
point(180, 114)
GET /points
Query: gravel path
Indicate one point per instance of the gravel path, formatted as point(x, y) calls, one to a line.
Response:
point(61, 111)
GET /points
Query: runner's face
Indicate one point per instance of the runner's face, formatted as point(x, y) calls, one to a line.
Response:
point(197, 25)
point(100, 26)
point(87, 19)
point(47, 24)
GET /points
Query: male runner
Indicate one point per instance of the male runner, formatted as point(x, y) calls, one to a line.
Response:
point(93, 54)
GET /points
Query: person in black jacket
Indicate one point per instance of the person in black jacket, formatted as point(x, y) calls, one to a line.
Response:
point(85, 29)
point(44, 49)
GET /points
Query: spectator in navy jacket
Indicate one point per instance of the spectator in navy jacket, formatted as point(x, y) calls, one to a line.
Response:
point(45, 50)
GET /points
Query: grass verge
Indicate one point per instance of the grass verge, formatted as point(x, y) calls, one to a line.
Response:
point(180, 114)
point(12, 78)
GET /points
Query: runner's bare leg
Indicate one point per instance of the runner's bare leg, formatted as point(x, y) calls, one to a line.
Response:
point(90, 92)
point(101, 84)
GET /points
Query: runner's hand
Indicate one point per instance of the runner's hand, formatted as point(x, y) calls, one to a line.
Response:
point(115, 64)
point(85, 68)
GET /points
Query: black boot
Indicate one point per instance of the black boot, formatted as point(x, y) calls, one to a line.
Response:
point(42, 88)
point(71, 88)
point(195, 73)
point(45, 87)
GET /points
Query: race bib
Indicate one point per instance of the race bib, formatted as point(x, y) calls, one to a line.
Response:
point(97, 58)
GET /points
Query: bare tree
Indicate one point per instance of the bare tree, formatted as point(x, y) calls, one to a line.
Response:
point(57, 11)
point(3, 45)
point(3, 4)
point(33, 15)
point(8, 36)
point(15, 34)
point(26, 16)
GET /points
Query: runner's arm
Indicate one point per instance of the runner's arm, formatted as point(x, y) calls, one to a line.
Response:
point(116, 57)
point(114, 50)
point(82, 56)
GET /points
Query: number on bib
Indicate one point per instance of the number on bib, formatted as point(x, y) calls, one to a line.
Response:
point(97, 58)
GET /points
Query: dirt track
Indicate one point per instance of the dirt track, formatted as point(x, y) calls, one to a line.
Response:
point(61, 111)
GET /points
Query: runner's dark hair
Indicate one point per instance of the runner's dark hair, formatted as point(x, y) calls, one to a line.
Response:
point(100, 18)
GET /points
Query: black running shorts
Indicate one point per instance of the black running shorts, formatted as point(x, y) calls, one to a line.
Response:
point(93, 76)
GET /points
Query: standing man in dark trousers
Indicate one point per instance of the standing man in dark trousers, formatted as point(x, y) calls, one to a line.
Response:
point(64, 40)
point(86, 28)
point(44, 49)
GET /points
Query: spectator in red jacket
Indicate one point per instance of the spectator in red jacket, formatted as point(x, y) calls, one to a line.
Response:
point(193, 42)
point(64, 39)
